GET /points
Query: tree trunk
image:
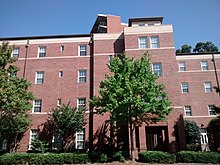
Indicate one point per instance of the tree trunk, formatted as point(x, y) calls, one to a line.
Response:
point(132, 141)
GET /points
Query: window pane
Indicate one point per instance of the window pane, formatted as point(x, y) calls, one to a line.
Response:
point(157, 69)
point(37, 105)
point(155, 42)
point(15, 52)
point(143, 42)
point(208, 87)
point(182, 66)
point(185, 87)
point(188, 111)
point(82, 50)
point(39, 77)
point(204, 65)
point(82, 76)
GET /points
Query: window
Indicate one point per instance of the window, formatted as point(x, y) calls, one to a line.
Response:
point(15, 52)
point(150, 24)
point(42, 51)
point(59, 102)
point(110, 57)
point(203, 136)
point(82, 76)
point(39, 77)
point(182, 66)
point(80, 139)
point(61, 73)
point(34, 134)
point(37, 105)
point(208, 87)
point(82, 50)
point(157, 69)
point(211, 110)
point(3, 144)
point(154, 42)
point(187, 110)
point(57, 141)
point(61, 48)
point(143, 44)
point(81, 103)
point(185, 87)
point(204, 65)
point(141, 24)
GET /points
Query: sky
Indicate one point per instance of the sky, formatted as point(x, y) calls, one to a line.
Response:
point(193, 20)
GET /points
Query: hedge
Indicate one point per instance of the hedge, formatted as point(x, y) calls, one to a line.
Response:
point(156, 157)
point(198, 157)
point(63, 158)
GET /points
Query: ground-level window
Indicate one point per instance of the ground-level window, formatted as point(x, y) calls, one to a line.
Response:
point(34, 134)
point(80, 139)
point(57, 141)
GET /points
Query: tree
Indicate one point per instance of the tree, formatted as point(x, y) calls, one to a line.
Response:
point(205, 47)
point(214, 133)
point(14, 100)
point(66, 121)
point(184, 49)
point(131, 94)
point(192, 132)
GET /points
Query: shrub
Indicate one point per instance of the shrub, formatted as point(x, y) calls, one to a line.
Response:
point(98, 156)
point(156, 157)
point(193, 147)
point(198, 157)
point(118, 156)
point(39, 146)
point(23, 158)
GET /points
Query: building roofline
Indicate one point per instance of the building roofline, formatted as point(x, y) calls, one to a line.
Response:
point(45, 37)
point(200, 53)
point(144, 19)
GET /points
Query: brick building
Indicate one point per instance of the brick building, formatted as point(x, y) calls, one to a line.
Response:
point(68, 69)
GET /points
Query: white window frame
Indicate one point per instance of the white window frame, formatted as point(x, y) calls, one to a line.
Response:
point(154, 44)
point(204, 65)
point(143, 45)
point(157, 70)
point(208, 87)
point(39, 79)
point(82, 73)
point(15, 52)
point(77, 141)
point(59, 102)
point(183, 87)
point(182, 66)
point(42, 51)
point(211, 110)
point(82, 52)
point(56, 141)
point(188, 110)
point(80, 104)
point(32, 138)
point(62, 48)
point(36, 105)
point(60, 73)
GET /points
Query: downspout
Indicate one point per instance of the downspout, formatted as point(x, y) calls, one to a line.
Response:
point(25, 60)
point(91, 43)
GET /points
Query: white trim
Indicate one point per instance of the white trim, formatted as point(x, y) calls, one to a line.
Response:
point(79, 50)
point(47, 58)
point(218, 70)
point(39, 113)
point(108, 36)
point(36, 74)
point(150, 48)
point(211, 116)
point(77, 140)
point(31, 132)
point(106, 54)
point(190, 57)
point(82, 76)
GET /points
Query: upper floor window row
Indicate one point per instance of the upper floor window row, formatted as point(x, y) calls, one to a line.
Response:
point(154, 42)
point(203, 64)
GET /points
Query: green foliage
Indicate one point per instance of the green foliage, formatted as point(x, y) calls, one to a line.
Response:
point(192, 132)
point(118, 156)
point(198, 157)
point(184, 49)
point(39, 146)
point(66, 120)
point(214, 132)
point(193, 147)
point(156, 157)
point(14, 100)
point(205, 47)
point(24, 158)
point(132, 92)
point(98, 157)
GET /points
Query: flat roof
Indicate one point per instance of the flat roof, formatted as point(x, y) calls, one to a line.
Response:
point(200, 53)
point(144, 19)
point(45, 37)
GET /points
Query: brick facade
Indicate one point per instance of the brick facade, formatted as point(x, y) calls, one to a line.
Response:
point(113, 38)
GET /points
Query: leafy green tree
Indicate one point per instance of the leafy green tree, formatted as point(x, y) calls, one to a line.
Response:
point(205, 47)
point(65, 121)
point(131, 94)
point(214, 132)
point(192, 132)
point(14, 100)
point(184, 49)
